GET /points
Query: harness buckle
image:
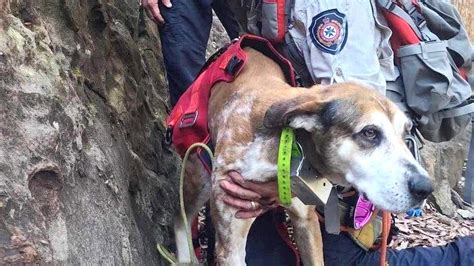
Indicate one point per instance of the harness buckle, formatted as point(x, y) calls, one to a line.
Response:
point(417, 17)
point(233, 65)
point(188, 119)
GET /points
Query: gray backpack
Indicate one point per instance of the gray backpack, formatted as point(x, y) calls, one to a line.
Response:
point(432, 89)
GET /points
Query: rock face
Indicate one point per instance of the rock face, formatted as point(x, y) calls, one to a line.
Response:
point(84, 176)
point(444, 162)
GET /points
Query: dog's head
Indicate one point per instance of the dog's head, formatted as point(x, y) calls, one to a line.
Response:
point(358, 134)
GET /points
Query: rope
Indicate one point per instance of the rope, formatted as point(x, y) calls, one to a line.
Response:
point(386, 222)
point(161, 249)
point(165, 253)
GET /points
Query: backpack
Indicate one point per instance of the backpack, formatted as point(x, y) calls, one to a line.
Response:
point(268, 18)
point(433, 56)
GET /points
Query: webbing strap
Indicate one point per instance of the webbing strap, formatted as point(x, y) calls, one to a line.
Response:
point(284, 165)
point(399, 12)
point(463, 110)
point(422, 48)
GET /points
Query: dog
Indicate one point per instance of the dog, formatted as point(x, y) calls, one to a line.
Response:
point(352, 134)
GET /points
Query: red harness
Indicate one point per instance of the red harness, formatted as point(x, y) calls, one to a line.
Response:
point(188, 121)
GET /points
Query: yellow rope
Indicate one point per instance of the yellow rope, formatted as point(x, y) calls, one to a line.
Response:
point(161, 249)
point(165, 253)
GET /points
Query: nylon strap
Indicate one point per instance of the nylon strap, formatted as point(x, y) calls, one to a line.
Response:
point(399, 12)
point(285, 151)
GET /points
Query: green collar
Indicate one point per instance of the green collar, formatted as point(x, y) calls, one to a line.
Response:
point(286, 150)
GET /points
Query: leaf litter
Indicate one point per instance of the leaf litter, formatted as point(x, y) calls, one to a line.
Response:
point(432, 229)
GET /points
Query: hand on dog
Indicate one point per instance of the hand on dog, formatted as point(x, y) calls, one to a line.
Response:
point(153, 10)
point(241, 194)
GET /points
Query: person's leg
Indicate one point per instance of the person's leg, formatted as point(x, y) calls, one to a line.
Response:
point(341, 250)
point(184, 39)
point(265, 245)
point(459, 252)
point(227, 17)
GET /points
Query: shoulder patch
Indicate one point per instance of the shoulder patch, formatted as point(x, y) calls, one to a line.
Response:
point(327, 31)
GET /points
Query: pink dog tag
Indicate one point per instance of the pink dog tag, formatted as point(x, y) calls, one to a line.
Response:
point(362, 213)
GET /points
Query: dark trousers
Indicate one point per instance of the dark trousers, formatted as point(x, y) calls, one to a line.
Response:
point(266, 247)
point(184, 39)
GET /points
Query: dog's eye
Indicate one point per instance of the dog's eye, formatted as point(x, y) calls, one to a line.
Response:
point(369, 137)
point(370, 133)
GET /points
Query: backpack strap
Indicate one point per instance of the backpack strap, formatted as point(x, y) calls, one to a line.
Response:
point(393, 8)
point(457, 111)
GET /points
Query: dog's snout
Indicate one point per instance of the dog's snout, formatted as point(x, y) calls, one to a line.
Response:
point(420, 187)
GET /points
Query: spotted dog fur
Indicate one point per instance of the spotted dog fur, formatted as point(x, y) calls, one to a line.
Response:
point(351, 134)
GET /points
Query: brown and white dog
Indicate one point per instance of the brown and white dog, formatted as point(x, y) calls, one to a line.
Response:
point(352, 134)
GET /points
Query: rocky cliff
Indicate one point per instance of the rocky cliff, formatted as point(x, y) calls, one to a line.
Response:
point(84, 177)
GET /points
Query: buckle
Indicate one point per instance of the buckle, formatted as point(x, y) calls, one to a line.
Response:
point(188, 119)
point(233, 65)
point(417, 16)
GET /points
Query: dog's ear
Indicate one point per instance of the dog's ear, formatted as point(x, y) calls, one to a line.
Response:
point(300, 112)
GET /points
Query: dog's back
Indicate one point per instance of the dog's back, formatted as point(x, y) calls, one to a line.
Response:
point(236, 109)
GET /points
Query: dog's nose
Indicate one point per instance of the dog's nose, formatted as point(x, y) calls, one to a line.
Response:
point(420, 187)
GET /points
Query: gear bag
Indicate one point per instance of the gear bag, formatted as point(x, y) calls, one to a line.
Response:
point(268, 18)
point(433, 55)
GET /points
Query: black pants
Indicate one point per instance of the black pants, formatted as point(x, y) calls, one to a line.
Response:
point(184, 39)
point(266, 247)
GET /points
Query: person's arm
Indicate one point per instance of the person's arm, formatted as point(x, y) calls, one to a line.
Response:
point(241, 194)
point(153, 10)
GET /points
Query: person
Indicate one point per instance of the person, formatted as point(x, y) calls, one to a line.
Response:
point(184, 28)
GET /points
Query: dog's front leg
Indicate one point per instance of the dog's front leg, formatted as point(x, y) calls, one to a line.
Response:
point(231, 233)
point(307, 232)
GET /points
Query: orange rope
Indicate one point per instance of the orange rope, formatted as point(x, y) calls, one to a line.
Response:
point(386, 223)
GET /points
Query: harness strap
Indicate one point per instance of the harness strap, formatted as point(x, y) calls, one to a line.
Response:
point(458, 111)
